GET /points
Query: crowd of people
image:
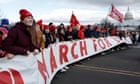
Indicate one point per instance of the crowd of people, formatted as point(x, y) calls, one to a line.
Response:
point(32, 34)
point(28, 35)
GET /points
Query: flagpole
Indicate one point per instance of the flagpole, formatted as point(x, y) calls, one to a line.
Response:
point(106, 18)
point(72, 11)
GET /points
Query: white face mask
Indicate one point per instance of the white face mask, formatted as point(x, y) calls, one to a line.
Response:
point(28, 21)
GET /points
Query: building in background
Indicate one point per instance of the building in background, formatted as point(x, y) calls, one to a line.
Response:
point(128, 15)
point(130, 23)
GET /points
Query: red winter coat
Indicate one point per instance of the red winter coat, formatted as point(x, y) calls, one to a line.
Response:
point(18, 40)
point(81, 34)
point(2, 53)
point(113, 32)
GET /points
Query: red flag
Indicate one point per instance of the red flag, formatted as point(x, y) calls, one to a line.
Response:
point(73, 20)
point(115, 14)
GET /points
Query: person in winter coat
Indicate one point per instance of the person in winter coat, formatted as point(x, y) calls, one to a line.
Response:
point(21, 39)
point(74, 32)
point(2, 53)
point(113, 31)
point(40, 39)
point(61, 32)
point(81, 32)
point(47, 35)
point(69, 34)
point(5, 24)
point(88, 31)
point(96, 31)
point(53, 33)
point(40, 23)
point(3, 35)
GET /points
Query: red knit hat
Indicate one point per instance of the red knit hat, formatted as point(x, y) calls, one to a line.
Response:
point(45, 26)
point(88, 25)
point(52, 27)
point(24, 13)
point(69, 27)
point(39, 22)
point(82, 27)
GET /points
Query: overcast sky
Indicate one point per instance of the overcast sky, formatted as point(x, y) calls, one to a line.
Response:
point(57, 11)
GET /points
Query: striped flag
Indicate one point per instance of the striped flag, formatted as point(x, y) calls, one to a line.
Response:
point(115, 14)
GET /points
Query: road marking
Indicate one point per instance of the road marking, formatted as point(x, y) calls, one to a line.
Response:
point(135, 46)
point(108, 70)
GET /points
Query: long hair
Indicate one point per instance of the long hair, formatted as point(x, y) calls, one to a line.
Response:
point(33, 33)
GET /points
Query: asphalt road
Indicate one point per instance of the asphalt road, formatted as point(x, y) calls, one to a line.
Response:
point(118, 67)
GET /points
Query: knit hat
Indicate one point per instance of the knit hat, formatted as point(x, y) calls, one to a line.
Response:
point(24, 13)
point(69, 27)
point(45, 26)
point(88, 25)
point(82, 27)
point(39, 22)
point(52, 27)
point(4, 21)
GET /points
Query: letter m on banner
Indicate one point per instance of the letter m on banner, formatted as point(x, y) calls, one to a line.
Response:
point(115, 14)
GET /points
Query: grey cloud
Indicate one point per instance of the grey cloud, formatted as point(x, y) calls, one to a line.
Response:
point(106, 2)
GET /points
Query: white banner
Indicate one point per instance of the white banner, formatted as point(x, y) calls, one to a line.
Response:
point(41, 69)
